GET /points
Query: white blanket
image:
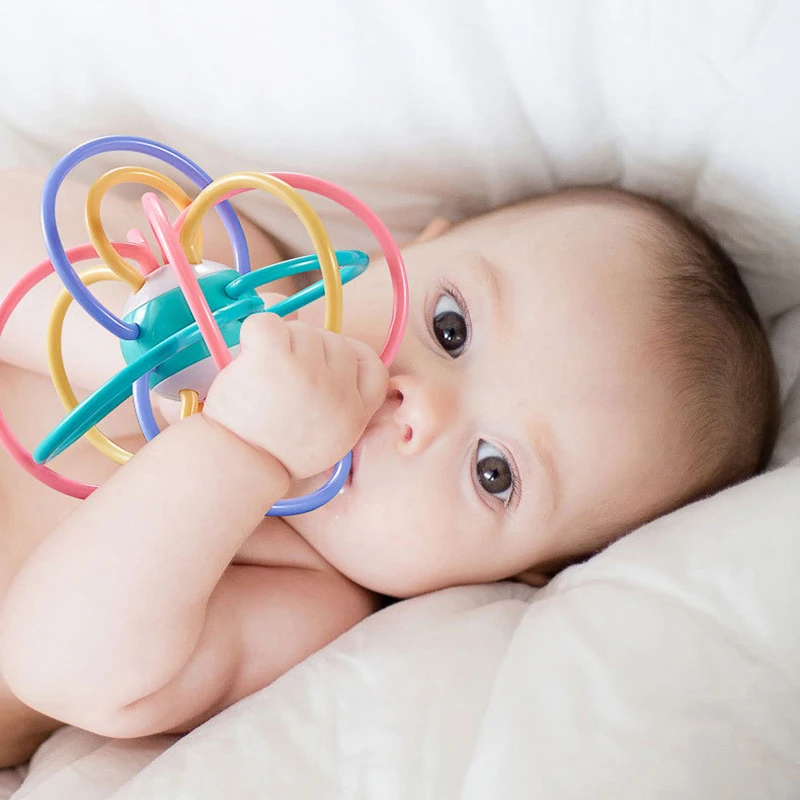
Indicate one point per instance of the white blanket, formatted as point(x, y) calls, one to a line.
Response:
point(667, 666)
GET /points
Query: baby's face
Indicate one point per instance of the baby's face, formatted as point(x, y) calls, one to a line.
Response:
point(524, 424)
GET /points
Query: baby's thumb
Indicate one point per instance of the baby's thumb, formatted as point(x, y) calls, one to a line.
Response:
point(373, 377)
point(271, 299)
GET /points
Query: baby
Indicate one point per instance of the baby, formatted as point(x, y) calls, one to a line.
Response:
point(573, 366)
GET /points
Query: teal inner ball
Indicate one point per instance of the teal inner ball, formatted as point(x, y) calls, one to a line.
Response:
point(165, 315)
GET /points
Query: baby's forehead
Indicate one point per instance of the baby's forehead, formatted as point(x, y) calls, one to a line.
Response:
point(595, 231)
point(614, 209)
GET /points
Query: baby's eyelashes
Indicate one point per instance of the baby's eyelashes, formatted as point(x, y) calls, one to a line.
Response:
point(494, 471)
point(450, 323)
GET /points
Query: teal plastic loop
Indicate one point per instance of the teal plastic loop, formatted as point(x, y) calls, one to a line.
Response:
point(164, 348)
point(118, 389)
point(168, 313)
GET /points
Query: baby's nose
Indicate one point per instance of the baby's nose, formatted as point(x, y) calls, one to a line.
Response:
point(420, 409)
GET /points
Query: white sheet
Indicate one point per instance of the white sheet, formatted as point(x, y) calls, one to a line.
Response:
point(667, 666)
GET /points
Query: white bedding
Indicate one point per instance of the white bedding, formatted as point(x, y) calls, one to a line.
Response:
point(667, 666)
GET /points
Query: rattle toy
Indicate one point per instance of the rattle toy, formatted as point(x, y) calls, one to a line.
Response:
point(182, 320)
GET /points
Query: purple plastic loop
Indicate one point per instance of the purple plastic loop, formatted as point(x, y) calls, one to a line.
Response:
point(52, 239)
point(143, 406)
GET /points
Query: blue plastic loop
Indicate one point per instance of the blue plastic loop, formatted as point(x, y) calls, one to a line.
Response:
point(143, 406)
point(309, 502)
point(55, 249)
point(352, 264)
point(134, 379)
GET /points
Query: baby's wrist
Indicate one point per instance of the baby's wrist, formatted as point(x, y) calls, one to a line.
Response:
point(271, 468)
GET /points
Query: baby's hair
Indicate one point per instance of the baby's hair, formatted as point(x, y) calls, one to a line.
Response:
point(715, 350)
point(709, 340)
point(709, 345)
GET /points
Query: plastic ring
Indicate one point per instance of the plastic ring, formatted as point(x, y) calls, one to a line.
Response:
point(58, 372)
point(389, 248)
point(119, 388)
point(52, 238)
point(144, 407)
point(190, 403)
point(353, 262)
point(311, 221)
point(17, 292)
point(310, 502)
point(297, 266)
point(192, 293)
point(94, 224)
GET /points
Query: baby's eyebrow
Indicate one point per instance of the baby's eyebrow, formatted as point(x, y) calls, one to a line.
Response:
point(539, 435)
point(495, 287)
point(541, 439)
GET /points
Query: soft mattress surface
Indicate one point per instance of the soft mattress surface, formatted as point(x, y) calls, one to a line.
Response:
point(667, 666)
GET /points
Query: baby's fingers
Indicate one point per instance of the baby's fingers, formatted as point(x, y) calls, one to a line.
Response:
point(264, 332)
point(373, 377)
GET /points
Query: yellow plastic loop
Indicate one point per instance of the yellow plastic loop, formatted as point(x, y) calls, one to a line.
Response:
point(58, 373)
point(291, 197)
point(97, 234)
point(190, 402)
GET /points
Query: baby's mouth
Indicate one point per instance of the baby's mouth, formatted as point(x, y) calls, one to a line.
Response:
point(353, 465)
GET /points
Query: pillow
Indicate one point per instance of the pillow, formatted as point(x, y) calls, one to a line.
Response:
point(662, 668)
point(427, 108)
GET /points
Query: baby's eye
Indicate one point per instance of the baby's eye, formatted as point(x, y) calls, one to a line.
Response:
point(494, 472)
point(450, 325)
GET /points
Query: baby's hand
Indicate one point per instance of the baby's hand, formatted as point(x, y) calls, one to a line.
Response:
point(302, 394)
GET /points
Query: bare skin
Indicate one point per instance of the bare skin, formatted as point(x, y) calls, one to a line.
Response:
point(528, 389)
point(30, 510)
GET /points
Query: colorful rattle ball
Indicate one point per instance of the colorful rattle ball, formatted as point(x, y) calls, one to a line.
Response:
point(181, 323)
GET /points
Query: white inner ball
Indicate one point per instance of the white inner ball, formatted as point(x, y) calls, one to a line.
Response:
point(197, 376)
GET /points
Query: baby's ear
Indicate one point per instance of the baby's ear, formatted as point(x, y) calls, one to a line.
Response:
point(533, 577)
point(436, 227)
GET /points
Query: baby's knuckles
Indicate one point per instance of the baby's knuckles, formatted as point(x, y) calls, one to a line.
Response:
point(264, 332)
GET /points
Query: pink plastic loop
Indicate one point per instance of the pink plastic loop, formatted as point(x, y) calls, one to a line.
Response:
point(135, 236)
point(15, 295)
point(394, 259)
point(170, 244)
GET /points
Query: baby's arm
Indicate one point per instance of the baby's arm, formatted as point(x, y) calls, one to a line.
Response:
point(128, 619)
